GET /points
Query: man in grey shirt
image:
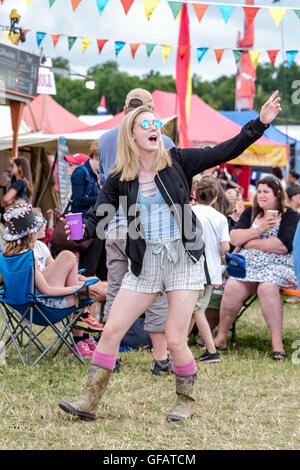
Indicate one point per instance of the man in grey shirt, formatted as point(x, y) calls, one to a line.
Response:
point(117, 261)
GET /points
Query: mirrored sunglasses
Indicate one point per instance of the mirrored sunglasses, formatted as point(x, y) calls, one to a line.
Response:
point(156, 123)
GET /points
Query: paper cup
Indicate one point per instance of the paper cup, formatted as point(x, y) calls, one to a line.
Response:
point(74, 222)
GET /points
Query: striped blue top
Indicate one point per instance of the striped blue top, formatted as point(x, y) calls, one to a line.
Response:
point(156, 218)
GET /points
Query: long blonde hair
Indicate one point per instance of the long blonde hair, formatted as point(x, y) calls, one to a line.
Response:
point(18, 246)
point(128, 156)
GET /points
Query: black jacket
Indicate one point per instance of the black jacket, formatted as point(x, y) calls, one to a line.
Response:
point(171, 185)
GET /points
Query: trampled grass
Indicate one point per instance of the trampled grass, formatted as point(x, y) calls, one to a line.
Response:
point(247, 401)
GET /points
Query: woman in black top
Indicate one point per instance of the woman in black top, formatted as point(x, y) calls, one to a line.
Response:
point(165, 261)
point(20, 184)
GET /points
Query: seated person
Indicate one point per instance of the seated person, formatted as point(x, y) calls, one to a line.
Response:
point(266, 240)
point(293, 193)
point(216, 238)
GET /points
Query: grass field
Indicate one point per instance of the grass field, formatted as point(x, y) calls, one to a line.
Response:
point(247, 401)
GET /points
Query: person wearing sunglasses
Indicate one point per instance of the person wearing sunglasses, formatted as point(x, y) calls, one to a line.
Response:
point(164, 244)
point(116, 233)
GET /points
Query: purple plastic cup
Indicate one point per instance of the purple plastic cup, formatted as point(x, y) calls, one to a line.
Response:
point(74, 222)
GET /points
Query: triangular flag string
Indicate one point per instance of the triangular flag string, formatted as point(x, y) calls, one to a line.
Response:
point(200, 10)
point(166, 51)
point(55, 38)
point(150, 6)
point(272, 55)
point(250, 14)
point(126, 5)
point(51, 3)
point(237, 54)
point(71, 41)
point(118, 47)
point(226, 11)
point(134, 47)
point(75, 4)
point(85, 42)
point(277, 14)
point(200, 52)
point(39, 38)
point(290, 57)
point(149, 48)
point(254, 55)
point(101, 4)
point(100, 44)
point(175, 8)
point(219, 54)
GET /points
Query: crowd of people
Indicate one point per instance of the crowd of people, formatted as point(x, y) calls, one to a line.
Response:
point(162, 250)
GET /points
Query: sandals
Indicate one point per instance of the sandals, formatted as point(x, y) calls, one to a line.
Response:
point(279, 355)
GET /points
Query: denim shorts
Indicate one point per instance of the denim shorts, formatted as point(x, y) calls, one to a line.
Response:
point(166, 267)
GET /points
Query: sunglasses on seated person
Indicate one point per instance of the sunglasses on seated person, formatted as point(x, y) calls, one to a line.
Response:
point(145, 124)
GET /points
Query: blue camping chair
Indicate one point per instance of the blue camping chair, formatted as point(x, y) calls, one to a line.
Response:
point(21, 309)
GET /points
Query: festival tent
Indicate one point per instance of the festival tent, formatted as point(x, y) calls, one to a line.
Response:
point(45, 115)
point(273, 133)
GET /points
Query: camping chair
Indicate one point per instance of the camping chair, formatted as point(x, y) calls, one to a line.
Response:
point(21, 309)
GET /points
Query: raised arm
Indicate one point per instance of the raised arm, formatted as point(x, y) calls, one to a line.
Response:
point(195, 161)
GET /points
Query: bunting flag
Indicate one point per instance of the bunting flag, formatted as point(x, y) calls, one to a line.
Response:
point(150, 6)
point(6, 34)
point(254, 55)
point(55, 38)
point(51, 3)
point(290, 57)
point(183, 78)
point(149, 48)
point(101, 4)
point(226, 11)
point(272, 55)
point(75, 4)
point(200, 52)
point(250, 14)
point(133, 48)
point(237, 54)
point(175, 7)
point(2, 2)
point(85, 42)
point(126, 5)
point(297, 13)
point(219, 54)
point(71, 41)
point(118, 47)
point(277, 14)
point(100, 44)
point(200, 10)
point(25, 31)
point(166, 51)
point(39, 38)
point(28, 2)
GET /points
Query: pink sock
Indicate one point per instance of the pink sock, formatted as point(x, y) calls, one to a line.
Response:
point(187, 369)
point(107, 361)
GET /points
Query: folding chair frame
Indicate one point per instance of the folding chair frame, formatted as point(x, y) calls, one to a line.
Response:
point(14, 324)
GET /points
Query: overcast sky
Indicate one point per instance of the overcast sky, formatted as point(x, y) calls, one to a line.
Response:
point(134, 27)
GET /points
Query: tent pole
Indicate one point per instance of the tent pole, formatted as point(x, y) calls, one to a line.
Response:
point(16, 111)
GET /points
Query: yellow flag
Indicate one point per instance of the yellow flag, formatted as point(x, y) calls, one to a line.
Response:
point(166, 51)
point(6, 34)
point(150, 6)
point(254, 55)
point(277, 14)
point(85, 43)
point(28, 2)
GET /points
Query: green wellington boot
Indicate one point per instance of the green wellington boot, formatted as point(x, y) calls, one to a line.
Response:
point(86, 406)
point(185, 400)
